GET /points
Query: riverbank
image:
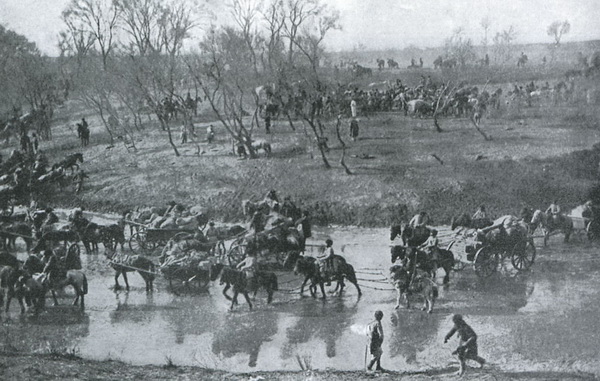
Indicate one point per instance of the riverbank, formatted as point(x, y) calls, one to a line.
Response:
point(14, 366)
point(399, 165)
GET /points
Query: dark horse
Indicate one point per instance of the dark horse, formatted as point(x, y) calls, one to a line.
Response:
point(11, 232)
point(414, 258)
point(128, 263)
point(55, 236)
point(410, 236)
point(8, 286)
point(406, 285)
point(237, 279)
point(309, 267)
point(70, 162)
point(466, 221)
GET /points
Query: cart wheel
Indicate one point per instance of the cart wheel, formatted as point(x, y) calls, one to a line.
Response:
point(593, 230)
point(235, 255)
point(523, 255)
point(137, 242)
point(7, 209)
point(485, 263)
point(220, 249)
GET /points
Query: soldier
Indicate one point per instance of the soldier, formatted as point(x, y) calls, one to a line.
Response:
point(375, 333)
point(467, 349)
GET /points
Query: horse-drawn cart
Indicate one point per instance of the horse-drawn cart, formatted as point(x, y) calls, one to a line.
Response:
point(585, 225)
point(487, 252)
point(145, 240)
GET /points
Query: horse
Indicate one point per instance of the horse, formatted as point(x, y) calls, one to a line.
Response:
point(70, 162)
point(8, 281)
point(56, 236)
point(262, 144)
point(309, 267)
point(33, 264)
point(249, 207)
point(7, 259)
point(465, 220)
point(414, 258)
point(410, 236)
point(112, 235)
point(550, 223)
point(11, 232)
point(35, 287)
point(405, 284)
point(128, 263)
point(231, 277)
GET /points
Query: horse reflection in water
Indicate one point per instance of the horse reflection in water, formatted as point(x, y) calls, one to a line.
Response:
point(137, 313)
point(412, 333)
point(327, 321)
point(245, 333)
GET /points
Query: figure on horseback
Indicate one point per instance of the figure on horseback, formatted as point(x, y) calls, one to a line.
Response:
point(432, 249)
point(249, 265)
point(554, 211)
point(326, 261)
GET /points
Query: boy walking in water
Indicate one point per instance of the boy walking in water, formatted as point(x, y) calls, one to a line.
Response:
point(467, 349)
point(375, 333)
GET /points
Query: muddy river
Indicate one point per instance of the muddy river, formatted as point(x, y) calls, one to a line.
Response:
point(544, 319)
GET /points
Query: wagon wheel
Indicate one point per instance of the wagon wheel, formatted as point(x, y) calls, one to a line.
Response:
point(593, 230)
point(137, 242)
point(523, 255)
point(7, 209)
point(199, 282)
point(219, 249)
point(486, 262)
point(236, 254)
point(74, 249)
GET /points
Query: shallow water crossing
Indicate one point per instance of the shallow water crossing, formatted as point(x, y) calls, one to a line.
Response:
point(544, 319)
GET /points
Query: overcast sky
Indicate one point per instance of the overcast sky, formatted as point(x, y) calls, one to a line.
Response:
point(376, 24)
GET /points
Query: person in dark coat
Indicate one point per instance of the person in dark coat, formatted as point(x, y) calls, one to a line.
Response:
point(467, 349)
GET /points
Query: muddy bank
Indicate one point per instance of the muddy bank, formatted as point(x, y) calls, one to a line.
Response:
point(14, 366)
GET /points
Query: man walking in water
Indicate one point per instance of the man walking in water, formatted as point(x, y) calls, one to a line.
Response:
point(467, 349)
point(375, 333)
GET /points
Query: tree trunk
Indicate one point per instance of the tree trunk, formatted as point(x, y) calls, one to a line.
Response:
point(342, 162)
point(165, 126)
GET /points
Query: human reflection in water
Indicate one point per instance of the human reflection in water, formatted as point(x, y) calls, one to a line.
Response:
point(245, 333)
point(137, 313)
point(411, 332)
point(328, 321)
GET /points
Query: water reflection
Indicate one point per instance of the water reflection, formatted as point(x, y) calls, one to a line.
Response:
point(58, 329)
point(141, 312)
point(326, 320)
point(412, 331)
point(245, 332)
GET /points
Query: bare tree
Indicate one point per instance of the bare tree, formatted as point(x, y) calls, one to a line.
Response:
point(503, 44)
point(460, 47)
point(93, 20)
point(557, 30)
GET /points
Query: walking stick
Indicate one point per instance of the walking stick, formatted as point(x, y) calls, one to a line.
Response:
point(366, 350)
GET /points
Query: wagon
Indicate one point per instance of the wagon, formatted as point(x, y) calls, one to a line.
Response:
point(271, 251)
point(585, 225)
point(145, 240)
point(487, 257)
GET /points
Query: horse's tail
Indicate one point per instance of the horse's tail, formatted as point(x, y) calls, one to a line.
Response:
point(84, 286)
point(436, 293)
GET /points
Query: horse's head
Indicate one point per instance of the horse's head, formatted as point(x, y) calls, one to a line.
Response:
point(398, 252)
point(395, 231)
point(304, 265)
point(291, 259)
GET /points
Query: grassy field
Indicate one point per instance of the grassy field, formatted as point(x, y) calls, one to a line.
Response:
point(536, 154)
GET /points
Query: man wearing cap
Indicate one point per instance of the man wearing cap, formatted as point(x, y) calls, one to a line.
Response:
point(375, 333)
point(467, 349)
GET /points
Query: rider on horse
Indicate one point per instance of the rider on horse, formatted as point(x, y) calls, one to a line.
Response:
point(326, 261)
point(249, 264)
point(431, 245)
point(52, 267)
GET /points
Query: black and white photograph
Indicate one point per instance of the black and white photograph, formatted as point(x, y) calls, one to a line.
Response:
point(300, 190)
